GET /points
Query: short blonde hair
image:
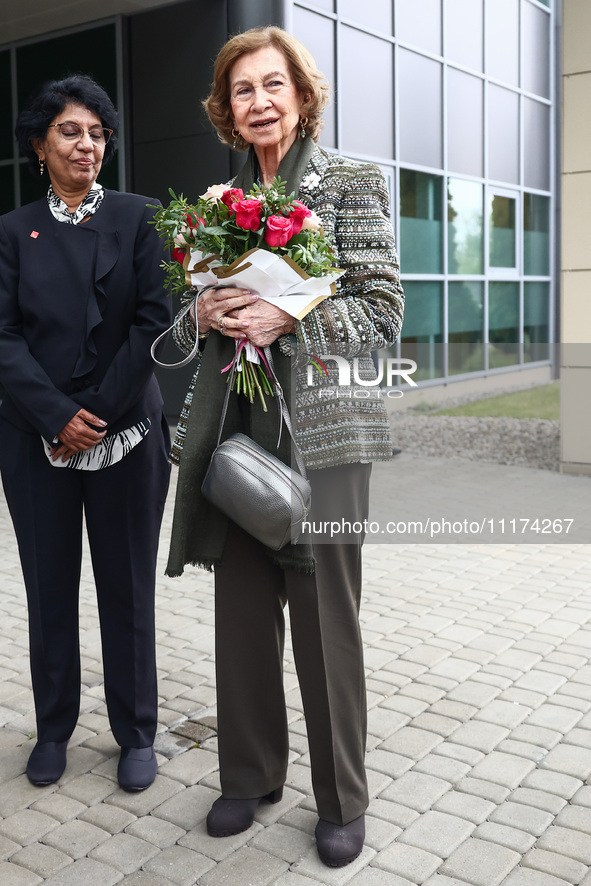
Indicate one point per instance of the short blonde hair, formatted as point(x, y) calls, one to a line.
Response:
point(306, 77)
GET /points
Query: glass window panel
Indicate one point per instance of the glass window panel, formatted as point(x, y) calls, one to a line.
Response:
point(109, 175)
point(502, 40)
point(536, 235)
point(317, 33)
point(465, 327)
point(92, 51)
point(33, 187)
point(6, 189)
point(502, 231)
point(6, 127)
point(367, 94)
point(420, 223)
point(376, 15)
point(422, 330)
point(536, 50)
point(503, 324)
point(536, 321)
point(419, 26)
point(420, 109)
point(503, 135)
point(465, 243)
point(464, 32)
point(536, 144)
point(328, 5)
point(464, 123)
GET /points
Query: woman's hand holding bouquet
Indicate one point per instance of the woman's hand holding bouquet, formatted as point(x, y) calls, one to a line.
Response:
point(264, 242)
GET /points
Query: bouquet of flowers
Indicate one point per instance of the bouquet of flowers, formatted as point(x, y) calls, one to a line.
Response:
point(265, 241)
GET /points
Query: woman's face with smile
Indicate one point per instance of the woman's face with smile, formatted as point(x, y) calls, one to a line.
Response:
point(73, 164)
point(265, 103)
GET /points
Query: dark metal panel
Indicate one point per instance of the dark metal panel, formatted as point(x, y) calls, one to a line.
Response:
point(254, 13)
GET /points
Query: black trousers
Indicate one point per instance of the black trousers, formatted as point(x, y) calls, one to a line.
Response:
point(251, 592)
point(123, 507)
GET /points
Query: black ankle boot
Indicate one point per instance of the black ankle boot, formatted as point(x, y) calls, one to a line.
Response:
point(229, 817)
point(137, 768)
point(338, 844)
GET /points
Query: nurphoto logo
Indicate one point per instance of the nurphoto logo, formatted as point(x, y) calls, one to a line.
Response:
point(387, 370)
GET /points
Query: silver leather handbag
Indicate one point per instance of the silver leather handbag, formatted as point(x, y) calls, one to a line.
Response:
point(254, 488)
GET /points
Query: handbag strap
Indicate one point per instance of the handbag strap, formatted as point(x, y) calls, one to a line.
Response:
point(284, 416)
point(183, 313)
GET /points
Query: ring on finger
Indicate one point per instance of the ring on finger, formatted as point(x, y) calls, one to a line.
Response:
point(219, 322)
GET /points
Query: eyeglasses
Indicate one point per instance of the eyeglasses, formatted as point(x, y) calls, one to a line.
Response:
point(73, 132)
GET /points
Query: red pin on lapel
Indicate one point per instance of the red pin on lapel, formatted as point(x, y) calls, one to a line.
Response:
point(34, 234)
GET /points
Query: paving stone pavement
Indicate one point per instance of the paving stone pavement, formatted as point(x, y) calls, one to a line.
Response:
point(479, 746)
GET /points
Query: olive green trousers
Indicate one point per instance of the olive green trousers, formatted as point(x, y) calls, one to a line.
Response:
point(251, 593)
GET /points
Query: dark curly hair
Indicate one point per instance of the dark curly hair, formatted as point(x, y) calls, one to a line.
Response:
point(50, 99)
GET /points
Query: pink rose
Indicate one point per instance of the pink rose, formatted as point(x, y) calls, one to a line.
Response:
point(279, 230)
point(248, 214)
point(231, 196)
point(300, 212)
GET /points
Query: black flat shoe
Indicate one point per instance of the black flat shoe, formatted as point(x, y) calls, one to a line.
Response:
point(229, 817)
point(47, 762)
point(339, 845)
point(137, 768)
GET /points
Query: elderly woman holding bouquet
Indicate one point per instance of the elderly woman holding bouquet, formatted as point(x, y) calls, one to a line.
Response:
point(267, 98)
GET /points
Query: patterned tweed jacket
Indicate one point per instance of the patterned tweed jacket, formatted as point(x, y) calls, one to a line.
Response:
point(338, 424)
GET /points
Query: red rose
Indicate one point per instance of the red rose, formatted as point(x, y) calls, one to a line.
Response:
point(179, 254)
point(279, 230)
point(248, 214)
point(231, 196)
point(192, 221)
point(297, 217)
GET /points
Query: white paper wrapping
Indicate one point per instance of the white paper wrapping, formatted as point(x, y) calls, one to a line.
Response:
point(275, 278)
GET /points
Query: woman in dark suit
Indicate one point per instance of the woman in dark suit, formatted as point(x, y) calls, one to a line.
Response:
point(81, 423)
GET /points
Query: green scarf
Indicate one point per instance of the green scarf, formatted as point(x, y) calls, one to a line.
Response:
point(199, 529)
point(291, 169)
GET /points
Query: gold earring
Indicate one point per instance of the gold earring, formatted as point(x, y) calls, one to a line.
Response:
point(303, 124)
point(41, 166)
point(235, 137)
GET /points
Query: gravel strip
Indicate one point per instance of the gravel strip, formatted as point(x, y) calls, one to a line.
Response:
point(530, 442)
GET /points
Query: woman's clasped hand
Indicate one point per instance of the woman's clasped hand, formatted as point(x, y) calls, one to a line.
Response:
point(78, 435)
point(241, 314)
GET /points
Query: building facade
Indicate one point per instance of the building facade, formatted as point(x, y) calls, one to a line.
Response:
point(575, 334)
point(454, 99)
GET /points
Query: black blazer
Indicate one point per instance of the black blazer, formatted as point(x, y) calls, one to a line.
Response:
point(80, 306)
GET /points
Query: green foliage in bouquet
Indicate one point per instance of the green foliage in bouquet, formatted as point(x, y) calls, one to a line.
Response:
point(225, 223)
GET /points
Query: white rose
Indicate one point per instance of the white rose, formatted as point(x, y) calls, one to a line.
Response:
point(312, 223)
point(214, 192)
